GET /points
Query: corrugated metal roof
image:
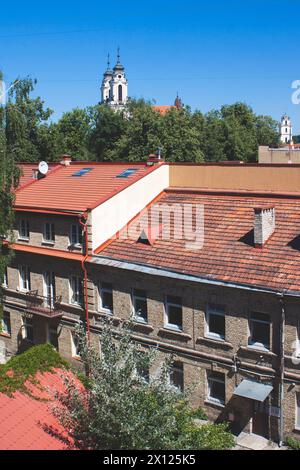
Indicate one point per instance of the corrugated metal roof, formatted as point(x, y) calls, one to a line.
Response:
point(60, 189)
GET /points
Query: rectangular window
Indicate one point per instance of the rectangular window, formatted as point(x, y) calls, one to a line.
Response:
point(52, 335)
point(216, 387)
point(5, 324)
point(76, 234)
point(24, 278)
point(27, 328)
point(215, 321)
point(106, 297)
point(260, 330)
point(5, 279)
point(76, 290)
point(176, 375)
point(74, 345)
point(298, 410)
point(49, 233)
point(139, 303)
point(173, 312)
point(24, 229)
point(49, 288)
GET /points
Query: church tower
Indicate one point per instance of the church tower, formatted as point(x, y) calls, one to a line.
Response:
point(105, 87)
point(114, 89)
point(286, 131)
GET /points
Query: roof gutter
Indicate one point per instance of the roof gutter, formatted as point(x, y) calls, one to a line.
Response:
point(154, 271)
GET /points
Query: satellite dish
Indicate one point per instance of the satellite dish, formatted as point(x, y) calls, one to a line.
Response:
point(43, 168)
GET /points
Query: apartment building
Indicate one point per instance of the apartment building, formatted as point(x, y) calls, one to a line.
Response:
point(204, 257)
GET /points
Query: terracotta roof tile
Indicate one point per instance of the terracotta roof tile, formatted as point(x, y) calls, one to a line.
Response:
point(228, 253)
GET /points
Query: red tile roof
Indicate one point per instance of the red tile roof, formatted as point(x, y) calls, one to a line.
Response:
point(59, 190)
point(163, 109)
point(25, 417)
point(228, 253)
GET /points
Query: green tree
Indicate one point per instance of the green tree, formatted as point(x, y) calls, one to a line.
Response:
point(122, 409)
point(24, 116)
point(9, 175)
point(73, 133)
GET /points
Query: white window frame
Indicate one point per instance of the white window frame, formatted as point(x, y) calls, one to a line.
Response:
point(211, 309)
point(297, 411)
point(74, 294)
point(24, 283)
point(251, 343)
point(179, 369)
point(78, 231)
point(209, 379)
point(25, 328)
point(74, 347)
point(5, 279)
point(49, 289)
point(101, 290)
point(26, 234)
point(134, 297)
point(167, 304)
point(51, 238)
point(4, 329)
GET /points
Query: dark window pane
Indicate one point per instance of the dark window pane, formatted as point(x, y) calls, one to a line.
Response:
point(176, 376)
point(175, 315)
point(217, 324)
point(107, 300)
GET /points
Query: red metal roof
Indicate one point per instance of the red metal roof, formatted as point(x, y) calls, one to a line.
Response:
point(228, 253)
point(25, 417)
point(27, 172)
point(60, 190)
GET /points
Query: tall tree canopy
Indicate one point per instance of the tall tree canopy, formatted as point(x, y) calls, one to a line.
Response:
point(98, 133)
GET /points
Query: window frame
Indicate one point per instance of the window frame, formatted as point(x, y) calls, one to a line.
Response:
point(74, 348)
point(134, 298)
point(52, 287)
point(5, 330)
point(26, 235)
point(254, 344)
point(211, 376)
point(21, 280)
point(79, 239)
point(178, 368)
point(167, 304)
point(25, 327)
point(102, 289)
point(297, 411)
point(51, 238)
point(211, 309)
point(74, 294)
point(5, 278)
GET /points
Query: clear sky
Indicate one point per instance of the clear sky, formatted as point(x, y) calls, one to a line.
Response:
point(212, 52)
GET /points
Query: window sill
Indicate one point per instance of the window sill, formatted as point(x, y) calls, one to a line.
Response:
point(20, 239)
point(138, 325)
point(104, 311)
point(77, 358)
point(255, 350)
point(178, 334)
point(47, 243)
point(214, 403)
point(215, 341)
point(69, 305)
point(75, 247)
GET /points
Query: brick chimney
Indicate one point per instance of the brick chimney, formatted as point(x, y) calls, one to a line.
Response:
point(264, 224)
point(65, 160)
point(156, 158)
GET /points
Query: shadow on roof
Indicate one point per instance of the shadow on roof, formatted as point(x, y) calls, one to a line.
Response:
point(248, 238)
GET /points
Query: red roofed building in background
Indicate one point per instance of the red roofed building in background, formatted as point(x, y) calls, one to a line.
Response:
point(204, 256)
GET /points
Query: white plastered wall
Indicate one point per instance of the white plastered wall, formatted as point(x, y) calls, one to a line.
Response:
point(116, 212)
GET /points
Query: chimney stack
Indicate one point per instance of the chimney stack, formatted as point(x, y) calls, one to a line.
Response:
point(264, 225)
point(66, 160)
point(155, 158)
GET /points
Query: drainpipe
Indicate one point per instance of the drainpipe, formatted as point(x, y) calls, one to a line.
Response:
point(83, 223)
point(281, 389)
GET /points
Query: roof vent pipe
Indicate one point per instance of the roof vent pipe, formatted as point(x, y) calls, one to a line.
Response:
point(264, 224)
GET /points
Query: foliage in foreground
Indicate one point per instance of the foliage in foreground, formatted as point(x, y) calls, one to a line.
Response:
point(292, 443)
point(22, 367)
point(123, 409)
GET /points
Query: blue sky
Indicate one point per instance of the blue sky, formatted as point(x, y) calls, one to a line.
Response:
point(212, 53)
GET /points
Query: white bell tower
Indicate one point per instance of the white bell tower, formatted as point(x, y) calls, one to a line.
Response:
point(114, 89)
point(286, 130)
